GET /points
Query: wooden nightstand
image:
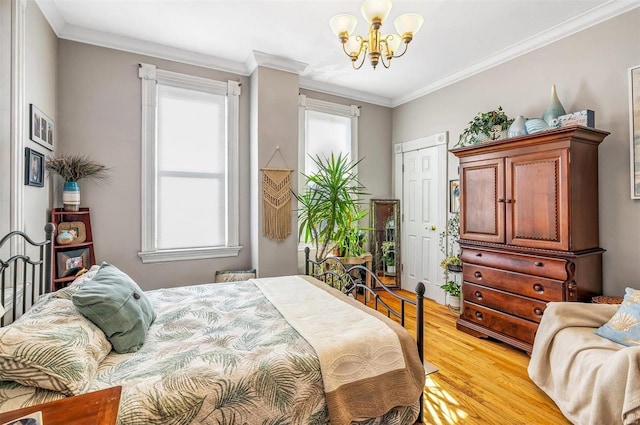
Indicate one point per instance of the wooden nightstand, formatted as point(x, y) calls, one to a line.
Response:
point(96, 408)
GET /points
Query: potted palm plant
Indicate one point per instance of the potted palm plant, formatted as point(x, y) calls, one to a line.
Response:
point(73, 168)
point(329, 207)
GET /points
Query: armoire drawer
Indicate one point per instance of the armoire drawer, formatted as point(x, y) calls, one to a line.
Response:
point(518, 283)
point(552, 268)
point(503, 301)
point(503, 323)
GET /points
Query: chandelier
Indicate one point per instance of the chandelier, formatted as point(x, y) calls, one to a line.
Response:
point(379, 48)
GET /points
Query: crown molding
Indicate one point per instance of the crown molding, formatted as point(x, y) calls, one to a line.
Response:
point(257, 59)
point(564, 29)
point(347, 93)
point(593, 17)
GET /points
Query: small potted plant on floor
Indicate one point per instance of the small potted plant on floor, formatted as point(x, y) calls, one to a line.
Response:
point(451, 263)
point(453, 289)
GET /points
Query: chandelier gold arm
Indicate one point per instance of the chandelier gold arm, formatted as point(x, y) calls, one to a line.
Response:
point(406, 42)
point(364, 56)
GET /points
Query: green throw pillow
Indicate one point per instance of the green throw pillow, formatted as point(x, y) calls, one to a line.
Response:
point(117, 305)
point(624, 326)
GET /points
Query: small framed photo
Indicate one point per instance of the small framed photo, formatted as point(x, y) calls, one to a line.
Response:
point(33, 168)
point(68, 263)
point(42, 129)
point(454, 196)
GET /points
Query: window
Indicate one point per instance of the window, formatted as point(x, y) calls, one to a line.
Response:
point(189, 166)
point(325, 127)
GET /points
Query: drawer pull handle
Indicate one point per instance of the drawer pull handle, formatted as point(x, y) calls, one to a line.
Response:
point(538, 288)
point(478, 275)
point(479, 254)
point(507, 201)
point(478, 295)
point(478, 315)
point(500, 200)
point(537, 311)
point(538, 263)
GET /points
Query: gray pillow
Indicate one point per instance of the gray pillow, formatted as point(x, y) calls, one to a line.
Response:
point(117, 305)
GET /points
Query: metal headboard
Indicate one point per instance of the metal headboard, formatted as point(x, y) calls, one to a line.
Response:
point(20, 271)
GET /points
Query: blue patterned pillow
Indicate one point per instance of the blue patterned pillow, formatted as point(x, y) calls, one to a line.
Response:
point(624, 326)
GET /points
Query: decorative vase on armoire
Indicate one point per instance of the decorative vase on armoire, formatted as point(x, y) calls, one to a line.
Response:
point(555, 108)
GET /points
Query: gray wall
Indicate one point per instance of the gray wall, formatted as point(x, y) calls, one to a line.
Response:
point(590, 70)
point(99, 96)
point(40, 90)
point(99, 115)
point(274, 124)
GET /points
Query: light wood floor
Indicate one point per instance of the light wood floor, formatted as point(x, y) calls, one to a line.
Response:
point(479, 381)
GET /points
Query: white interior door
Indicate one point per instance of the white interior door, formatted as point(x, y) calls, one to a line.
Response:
point(425, 203)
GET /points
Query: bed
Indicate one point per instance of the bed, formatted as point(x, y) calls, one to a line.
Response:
point(290, 349)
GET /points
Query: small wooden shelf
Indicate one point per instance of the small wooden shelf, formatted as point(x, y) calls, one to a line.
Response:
point(83, 250)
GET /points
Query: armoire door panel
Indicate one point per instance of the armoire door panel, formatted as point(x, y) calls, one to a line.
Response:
point(537, 200)
point(482, 193)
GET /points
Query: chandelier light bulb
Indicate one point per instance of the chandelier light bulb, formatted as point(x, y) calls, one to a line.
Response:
point(375, 10)
point(408, 24)
point(352, 46)
point(344, 23)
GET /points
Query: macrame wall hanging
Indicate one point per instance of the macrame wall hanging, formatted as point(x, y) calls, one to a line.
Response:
point(276, 200)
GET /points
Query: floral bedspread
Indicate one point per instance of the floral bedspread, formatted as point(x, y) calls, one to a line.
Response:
point(216, 354)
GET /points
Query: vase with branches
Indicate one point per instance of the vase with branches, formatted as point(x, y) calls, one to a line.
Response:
point(72, 169)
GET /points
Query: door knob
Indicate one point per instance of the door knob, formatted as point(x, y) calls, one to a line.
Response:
point(433, 227)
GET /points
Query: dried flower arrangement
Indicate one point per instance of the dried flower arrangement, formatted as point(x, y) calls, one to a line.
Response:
point(76, 167)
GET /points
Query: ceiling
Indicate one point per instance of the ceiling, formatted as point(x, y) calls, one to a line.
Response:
point(458, 39)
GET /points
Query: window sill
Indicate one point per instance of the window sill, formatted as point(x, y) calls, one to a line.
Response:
point(188, 254)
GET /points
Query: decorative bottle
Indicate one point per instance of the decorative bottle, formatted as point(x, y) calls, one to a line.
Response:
point(554, 109)
point(518, 127)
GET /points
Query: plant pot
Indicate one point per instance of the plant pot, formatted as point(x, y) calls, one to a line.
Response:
point(71, 196)
point(391, 269)
point(453, 302)
point(455, 268)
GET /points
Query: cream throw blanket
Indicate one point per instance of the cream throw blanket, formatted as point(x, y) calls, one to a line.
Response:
point(369, 364)
point(593, 380)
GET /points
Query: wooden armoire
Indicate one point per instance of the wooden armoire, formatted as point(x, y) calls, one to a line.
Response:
point(528, 230)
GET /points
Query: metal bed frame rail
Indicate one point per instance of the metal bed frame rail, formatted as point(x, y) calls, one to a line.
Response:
point(19, 271)
point(333, 272)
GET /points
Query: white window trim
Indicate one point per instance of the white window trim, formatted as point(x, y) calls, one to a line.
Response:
point(150, 76)
point(349, 111)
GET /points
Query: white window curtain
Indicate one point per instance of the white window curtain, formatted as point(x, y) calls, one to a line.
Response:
point(189, 166)
point(325, 128)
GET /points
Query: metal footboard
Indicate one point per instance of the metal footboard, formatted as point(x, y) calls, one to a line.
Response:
point(352, 281)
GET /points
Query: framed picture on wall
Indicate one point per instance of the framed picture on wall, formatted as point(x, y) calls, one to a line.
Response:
point(42, 129)
point(454, 196)
point(33, 168)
